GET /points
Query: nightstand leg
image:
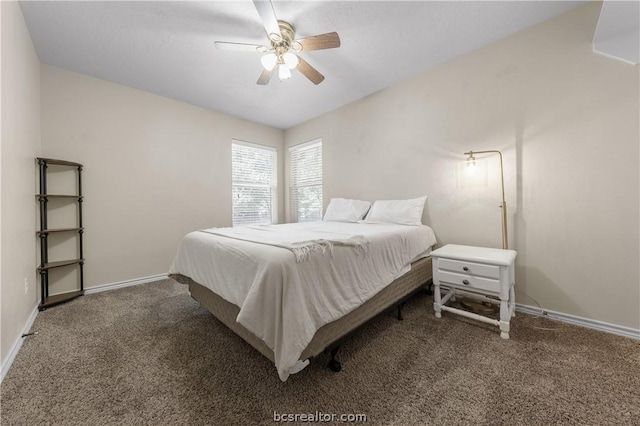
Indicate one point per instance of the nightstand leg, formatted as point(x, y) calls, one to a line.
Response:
point(504, 318)
point(437, 306)
point(512, 300)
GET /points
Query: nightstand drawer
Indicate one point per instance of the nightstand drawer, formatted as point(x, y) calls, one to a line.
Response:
point(470, 281)
point(471, 268)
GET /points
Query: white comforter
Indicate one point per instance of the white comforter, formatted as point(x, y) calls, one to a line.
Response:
point(284, 302)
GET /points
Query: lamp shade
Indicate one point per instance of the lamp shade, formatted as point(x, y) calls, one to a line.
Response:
point(283, 72)
point(290, 60)
point(471, 166)
point(269, 61)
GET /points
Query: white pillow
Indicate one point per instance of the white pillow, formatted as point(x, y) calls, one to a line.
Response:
point(344, 210)
point(403, 212)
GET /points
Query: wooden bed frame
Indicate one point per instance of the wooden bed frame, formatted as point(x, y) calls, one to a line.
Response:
point(329, 336)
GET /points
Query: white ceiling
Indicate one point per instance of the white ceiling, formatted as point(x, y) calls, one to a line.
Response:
point(167, 47)
point(618, 31)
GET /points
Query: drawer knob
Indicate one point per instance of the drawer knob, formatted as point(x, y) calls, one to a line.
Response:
point(465, 268)
point(465, 282)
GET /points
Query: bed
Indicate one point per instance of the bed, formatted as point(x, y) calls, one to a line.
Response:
point(292, 291)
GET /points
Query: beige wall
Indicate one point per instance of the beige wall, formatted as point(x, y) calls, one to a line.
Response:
point(20, 145)
point(154, 169)
point(567, 122)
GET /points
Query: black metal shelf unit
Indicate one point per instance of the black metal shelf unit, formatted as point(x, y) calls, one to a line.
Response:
point(43, 197)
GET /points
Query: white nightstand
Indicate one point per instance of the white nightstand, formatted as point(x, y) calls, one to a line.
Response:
point(477, 271)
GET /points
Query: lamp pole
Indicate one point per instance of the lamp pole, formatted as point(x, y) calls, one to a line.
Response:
point(505, 243)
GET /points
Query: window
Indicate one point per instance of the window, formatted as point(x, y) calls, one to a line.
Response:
point(254, 181)
point(306, 181)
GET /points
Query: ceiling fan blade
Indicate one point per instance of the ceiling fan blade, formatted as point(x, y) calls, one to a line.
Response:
point(310, 72)
point(265, 77)
point(319, 42)
point(224, 45)
point(268, 16)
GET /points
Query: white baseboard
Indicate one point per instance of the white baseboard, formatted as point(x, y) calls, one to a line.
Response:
point(580, 321)
point(18, 344)
point(127, 283)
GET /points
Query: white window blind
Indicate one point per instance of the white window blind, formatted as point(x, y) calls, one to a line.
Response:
point(254, 180)
point(306, 181)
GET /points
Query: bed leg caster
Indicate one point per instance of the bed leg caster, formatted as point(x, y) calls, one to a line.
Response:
point(334, 365)
point(428, 287)
point(400, 306)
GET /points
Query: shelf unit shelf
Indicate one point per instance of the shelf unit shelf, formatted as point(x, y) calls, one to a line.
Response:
point(45, 266)
point(56, 299)
point(55, 162)
point(60, 264)
point(58, 196)
point(50, 231)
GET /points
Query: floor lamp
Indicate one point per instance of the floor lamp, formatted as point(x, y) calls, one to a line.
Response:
point(471, 304)
point(471, 161)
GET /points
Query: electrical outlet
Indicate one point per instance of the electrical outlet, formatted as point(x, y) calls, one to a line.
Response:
point(26, 285)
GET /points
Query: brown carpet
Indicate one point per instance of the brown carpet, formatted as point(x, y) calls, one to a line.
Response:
point(149, 354)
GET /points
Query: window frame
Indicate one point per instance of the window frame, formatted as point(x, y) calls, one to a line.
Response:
point(294, 208)
point(272, 185)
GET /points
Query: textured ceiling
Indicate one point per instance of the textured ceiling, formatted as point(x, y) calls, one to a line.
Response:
point(167, 47)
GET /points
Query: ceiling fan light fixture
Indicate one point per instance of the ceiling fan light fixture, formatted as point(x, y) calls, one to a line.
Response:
point(283, 72)
point(290, 60)
point(282, 47)
point(269, 61)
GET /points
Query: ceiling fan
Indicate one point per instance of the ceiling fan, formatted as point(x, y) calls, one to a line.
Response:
point(282, 43)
